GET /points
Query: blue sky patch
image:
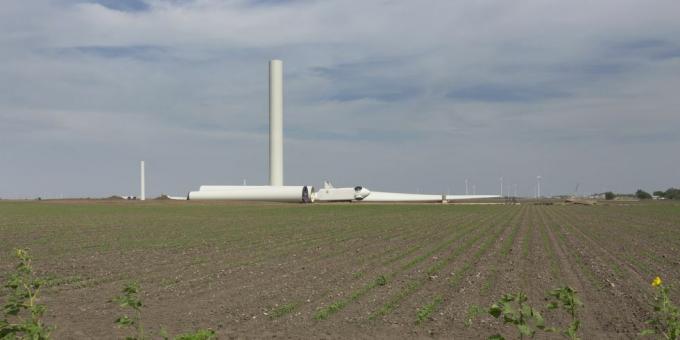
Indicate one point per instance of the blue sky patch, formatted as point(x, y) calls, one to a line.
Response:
point(132, 52)
point(123, 5)
point(505, 93)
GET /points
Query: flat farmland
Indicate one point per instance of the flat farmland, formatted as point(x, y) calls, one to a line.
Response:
point(340, 270)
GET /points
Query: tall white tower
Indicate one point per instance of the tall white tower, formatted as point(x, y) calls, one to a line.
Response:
point(275, 123)
point(142, 193)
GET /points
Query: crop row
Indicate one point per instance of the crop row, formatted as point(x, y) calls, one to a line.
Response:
point(459, 233)
point(394, 301)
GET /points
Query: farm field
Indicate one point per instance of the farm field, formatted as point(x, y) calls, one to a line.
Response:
point(340, 270)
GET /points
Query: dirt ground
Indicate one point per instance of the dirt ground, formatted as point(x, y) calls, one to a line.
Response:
point(340, 270)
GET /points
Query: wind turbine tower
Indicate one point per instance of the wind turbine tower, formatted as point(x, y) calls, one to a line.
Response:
point(276, 123)
point(538, 186)
point(466, 187)
point(142, 193)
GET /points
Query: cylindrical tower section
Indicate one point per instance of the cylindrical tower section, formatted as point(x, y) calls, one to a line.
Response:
point(142, 194)
point(276, 123)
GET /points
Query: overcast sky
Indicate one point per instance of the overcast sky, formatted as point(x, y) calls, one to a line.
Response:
point(412, 96)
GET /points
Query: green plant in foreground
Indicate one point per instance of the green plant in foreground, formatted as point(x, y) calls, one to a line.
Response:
point(666, 320)
point(427, 310)
point(24, 289)
point(515, 310)
point(381, 280)
point(565, 298)
point(130, 299)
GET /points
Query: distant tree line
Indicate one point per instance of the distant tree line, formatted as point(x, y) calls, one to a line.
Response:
point(670, 194)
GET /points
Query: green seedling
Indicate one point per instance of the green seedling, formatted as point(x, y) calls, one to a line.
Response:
point(282, 310)
point(472, 313)
point(427, 310)
point(201, 334)
point(335, 307)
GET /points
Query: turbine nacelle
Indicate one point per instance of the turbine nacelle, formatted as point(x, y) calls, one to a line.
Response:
point(333, 194)
point(360, 193)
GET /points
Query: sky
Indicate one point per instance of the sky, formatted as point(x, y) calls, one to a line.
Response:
point(407, 96)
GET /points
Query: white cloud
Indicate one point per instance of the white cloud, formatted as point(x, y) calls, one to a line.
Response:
point(442, 91)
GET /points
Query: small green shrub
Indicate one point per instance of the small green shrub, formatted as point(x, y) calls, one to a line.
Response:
point(565, 298)
point(516, 311)
point(666, 320)
point(381, 280)
point(23, 296)
point(130, 299)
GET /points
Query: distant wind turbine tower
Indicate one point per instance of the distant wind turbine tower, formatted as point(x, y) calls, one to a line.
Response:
point(142, 193)
point(276, 123)
point(466, 187)
point(538, 186)
point(501, 186)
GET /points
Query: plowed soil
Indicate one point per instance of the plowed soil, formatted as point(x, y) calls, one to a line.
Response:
point(340, 271)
